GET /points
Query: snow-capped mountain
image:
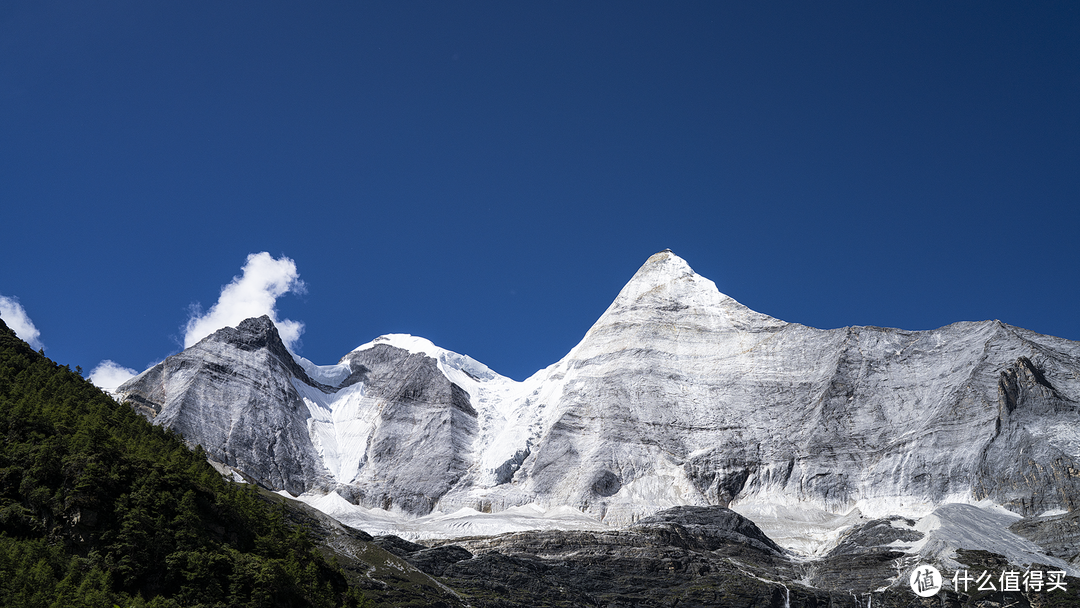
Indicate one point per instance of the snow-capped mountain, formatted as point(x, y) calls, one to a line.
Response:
point(678, 395)
point(681, 395)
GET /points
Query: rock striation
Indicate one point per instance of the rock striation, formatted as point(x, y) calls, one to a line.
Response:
point(392, 430)
point(233, 393)
point(677, 396)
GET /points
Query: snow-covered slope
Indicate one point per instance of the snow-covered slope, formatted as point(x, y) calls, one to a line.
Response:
point(678, 395)
point(681, 395)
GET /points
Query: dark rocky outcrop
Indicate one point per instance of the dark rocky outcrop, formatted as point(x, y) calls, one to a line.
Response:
point(1030, 465)
point(1058, 535)
point(710, 528)
point(686, 557)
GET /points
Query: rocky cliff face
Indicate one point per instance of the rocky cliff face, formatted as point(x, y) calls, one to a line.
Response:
point(681, 395)
point(678, 395)
point(385, 427)
point(233, 393)
point(424, 428)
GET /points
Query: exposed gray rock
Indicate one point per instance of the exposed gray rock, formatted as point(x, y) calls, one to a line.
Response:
point(681, 395)
point(232, 393)
point(1058, 535)
point(712, 527)
point(437, 560)
point(504, 473)
point(1030, 465)
point(423, 434)
point(876, 536)
point(638, 567)
point(725, 561)
point(242, 396)
point(678, 395)
point(397, 545)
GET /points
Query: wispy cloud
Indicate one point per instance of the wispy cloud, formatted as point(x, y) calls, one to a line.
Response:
point(252, 294)
point(15, 316)
point(108, 375)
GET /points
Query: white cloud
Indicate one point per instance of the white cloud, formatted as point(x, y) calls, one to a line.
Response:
point(15, 316)
point(253, 294)
point(108, 375)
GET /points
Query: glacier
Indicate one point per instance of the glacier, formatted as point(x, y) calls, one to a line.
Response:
point(677, 396)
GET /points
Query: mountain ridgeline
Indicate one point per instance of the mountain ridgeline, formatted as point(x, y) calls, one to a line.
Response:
point(678, 395)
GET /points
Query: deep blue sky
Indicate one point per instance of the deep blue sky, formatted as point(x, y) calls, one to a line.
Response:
point(489, 174)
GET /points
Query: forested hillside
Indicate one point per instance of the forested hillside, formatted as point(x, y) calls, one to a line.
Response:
point(100, 508)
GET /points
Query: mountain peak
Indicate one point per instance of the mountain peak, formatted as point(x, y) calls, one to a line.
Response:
point(409, 342)
point(667, 261)
point(250, 334)
point(667, 275)
point(259, 333)
point(665, 287)
point(447, 360)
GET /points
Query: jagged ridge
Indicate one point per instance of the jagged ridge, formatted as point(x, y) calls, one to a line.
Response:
point(678, 395)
